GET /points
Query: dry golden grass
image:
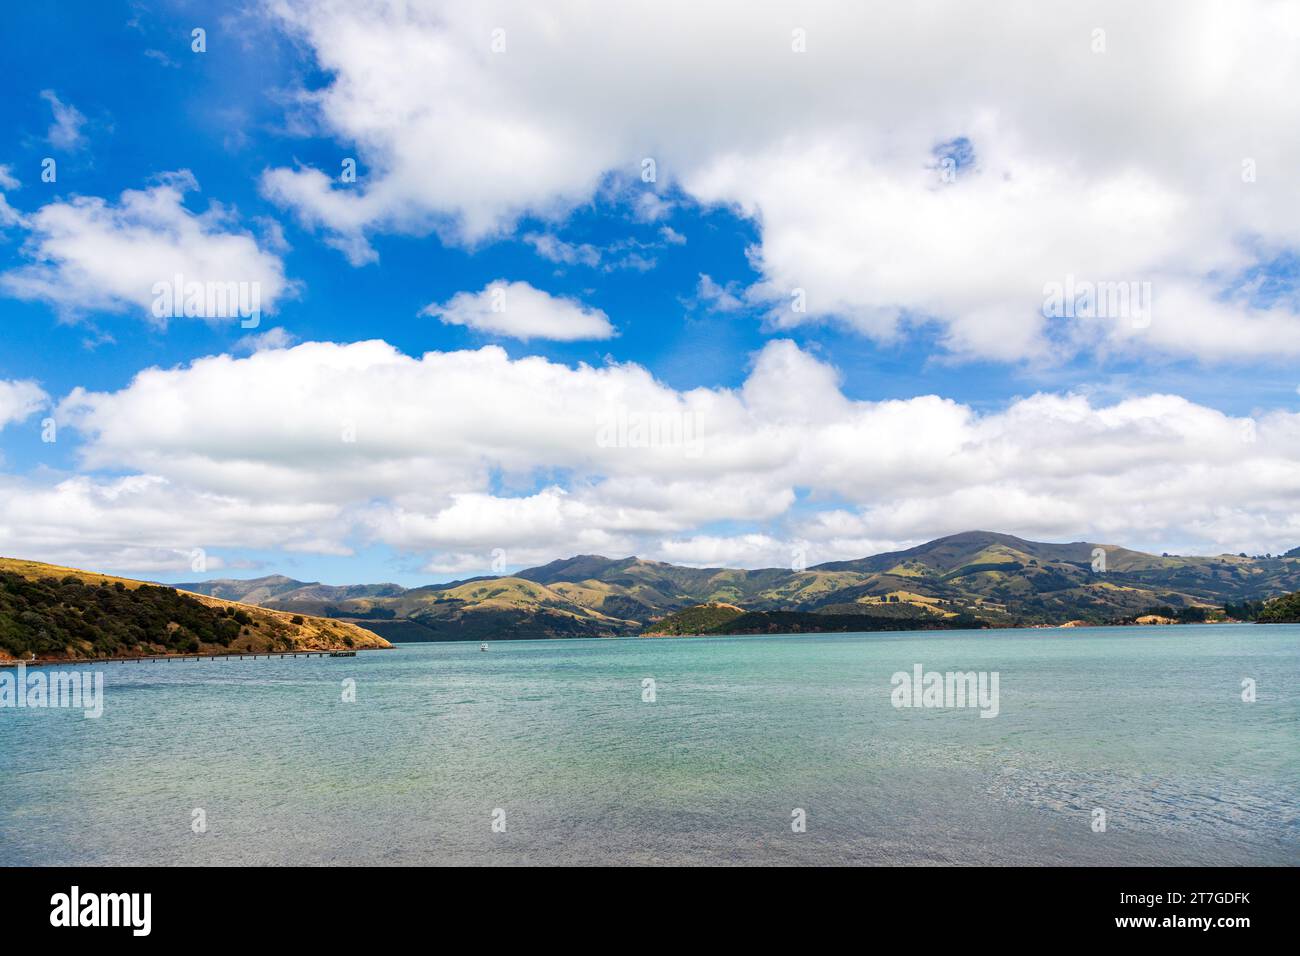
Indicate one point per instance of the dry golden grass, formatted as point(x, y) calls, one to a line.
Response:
point(268, 630)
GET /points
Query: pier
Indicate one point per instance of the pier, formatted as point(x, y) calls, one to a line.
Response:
point(233, 655)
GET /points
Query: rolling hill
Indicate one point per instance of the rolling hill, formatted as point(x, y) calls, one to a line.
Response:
point(700, 619)
point(56, 612)
point(996, 578)
point(1283, 610)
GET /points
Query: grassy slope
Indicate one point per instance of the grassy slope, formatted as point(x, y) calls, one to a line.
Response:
point(265, 629)
point(480, 609)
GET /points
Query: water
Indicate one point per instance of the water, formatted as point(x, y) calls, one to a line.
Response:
point(1147, 724)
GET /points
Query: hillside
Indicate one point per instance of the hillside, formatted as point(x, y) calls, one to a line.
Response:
point(1284, 610)
point(997, 578)
point(701, 619)
point(57, 612)
point(474, 610)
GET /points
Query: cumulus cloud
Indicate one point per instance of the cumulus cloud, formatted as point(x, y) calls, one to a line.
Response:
point(517, 310)
point(838, 153)
point(20, 400)
point(325, 447)
point(147, 523)
point(88, 254)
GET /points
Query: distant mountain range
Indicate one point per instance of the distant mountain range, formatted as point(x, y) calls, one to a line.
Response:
point(980, 576)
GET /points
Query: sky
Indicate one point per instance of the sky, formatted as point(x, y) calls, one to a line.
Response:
point(363, 291)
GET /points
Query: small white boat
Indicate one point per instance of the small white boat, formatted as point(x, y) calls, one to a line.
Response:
point(483, 646)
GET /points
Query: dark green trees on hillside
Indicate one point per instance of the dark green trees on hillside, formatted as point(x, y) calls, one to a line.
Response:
point(48, 616)
point(1283, 610)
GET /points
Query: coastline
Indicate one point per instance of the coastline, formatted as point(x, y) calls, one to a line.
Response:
point(1068, 625)
point(9, 662)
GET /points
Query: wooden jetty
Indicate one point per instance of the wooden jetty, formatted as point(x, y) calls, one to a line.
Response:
point(232, 655)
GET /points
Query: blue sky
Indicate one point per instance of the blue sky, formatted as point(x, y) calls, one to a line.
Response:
point(145, 106)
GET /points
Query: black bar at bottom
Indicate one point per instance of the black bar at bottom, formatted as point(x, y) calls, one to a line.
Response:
point(947, 906)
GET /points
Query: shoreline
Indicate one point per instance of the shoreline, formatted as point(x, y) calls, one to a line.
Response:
point(352, 652)
point(1066, 626)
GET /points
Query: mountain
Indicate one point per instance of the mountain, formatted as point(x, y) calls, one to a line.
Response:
point(57, 612)
point(972, 548)
point(261, 590)
point(996, 578)
point(252, 591)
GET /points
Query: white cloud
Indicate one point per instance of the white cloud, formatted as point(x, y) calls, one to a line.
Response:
point(87, 254)
point(457, 454)
point(8, 215)
point(65, 131)
point(146, 523)
point(721, 298)
point(554, 249)
point(649, 206)
point(517, 310)
point(274, 338)
point(832, 151)
point(162, 58)
point(736, 551)
point(625, 253)
point(20, 400)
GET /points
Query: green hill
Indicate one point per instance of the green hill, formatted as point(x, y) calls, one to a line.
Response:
point(1284, 610)
point(701, 619)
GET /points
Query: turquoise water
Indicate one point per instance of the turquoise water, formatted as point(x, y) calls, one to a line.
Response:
point(1147, 724)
